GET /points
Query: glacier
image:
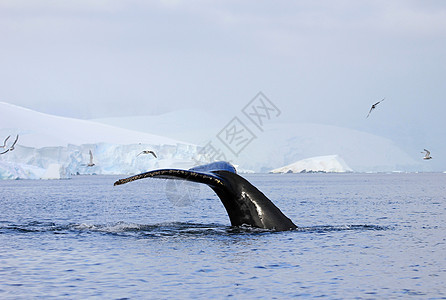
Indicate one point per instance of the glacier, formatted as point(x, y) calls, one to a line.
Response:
point(54, 147)
point(110, 159)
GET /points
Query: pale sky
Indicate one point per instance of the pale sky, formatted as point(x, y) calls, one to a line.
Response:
point(318, 61)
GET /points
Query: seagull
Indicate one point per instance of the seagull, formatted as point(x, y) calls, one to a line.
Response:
point(374, 106)
point(4, 143)
point(13, 144)
point(91, 163)
point(428, 154)
point(11, 147)
point(147, 152)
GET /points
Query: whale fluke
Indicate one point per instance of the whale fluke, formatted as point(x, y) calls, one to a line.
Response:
point(244, 203)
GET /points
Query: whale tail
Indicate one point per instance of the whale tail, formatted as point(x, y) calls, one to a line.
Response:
point(244, 203)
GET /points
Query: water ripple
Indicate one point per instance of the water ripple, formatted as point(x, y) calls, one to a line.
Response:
point(168, 229)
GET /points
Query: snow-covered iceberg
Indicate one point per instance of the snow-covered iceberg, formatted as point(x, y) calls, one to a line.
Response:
point(328, 163)
point(39, 130)
point(10, 170)
point(52, 147)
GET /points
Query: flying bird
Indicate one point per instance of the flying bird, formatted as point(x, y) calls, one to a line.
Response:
point(91, 163)
point(4, 143)
point(11, 147)
point(374, 106)
point(13, 144)
point(427, 155)
point(147, 152)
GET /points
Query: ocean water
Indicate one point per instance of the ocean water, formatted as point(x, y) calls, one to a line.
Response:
point(360, 236)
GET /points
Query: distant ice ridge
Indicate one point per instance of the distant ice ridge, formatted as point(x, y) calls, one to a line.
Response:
point(43, 130)
point(328, 163)
point(279, 144)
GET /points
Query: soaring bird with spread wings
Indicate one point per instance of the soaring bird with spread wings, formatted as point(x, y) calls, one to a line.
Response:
point(4, 142)
point(147, 152)
point(12, 147)
point(13, 144)
point(427, 155)
point(91, 163)
point(374, 106)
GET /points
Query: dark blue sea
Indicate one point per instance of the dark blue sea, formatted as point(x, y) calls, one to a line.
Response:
point(360, 236)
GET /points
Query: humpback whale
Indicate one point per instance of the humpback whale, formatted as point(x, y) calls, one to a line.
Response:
point(244, 203)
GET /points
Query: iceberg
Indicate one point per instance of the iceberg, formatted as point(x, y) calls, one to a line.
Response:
point(52, 147)
point(278, 143)
point(10, 170)
point(326, 164)
point(54, 171)
point(39, 130)
point(109, 159)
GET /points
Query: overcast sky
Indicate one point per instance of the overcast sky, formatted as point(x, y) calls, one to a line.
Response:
point(318, 61)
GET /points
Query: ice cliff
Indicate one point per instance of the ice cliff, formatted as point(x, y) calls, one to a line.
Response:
point(56, 147)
